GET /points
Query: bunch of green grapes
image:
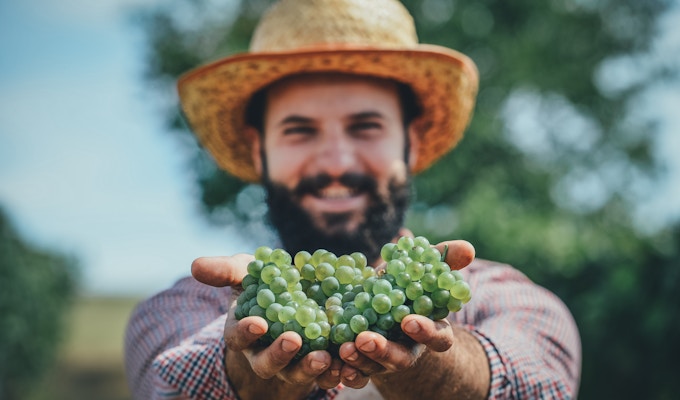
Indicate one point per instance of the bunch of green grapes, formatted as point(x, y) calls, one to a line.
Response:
point(329, 299)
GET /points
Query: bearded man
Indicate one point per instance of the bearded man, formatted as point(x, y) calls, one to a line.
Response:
point(333, 110)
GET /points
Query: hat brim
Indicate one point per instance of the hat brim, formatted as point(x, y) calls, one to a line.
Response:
point(214, 97)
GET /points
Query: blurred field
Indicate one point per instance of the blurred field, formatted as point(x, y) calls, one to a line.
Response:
point(90, 361)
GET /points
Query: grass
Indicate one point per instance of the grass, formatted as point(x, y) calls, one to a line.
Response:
point(89, 364)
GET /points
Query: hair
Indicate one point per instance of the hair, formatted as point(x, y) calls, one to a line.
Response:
point(410, 110)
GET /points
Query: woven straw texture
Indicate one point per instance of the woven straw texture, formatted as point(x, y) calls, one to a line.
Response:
point(371, 38)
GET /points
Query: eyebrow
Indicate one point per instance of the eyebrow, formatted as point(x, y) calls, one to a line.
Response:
point(295, 119)
point(366, 115)
point(299, 119)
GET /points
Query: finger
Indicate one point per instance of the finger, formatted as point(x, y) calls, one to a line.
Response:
point(307, 369)
point(356, 359)
point(330, 378)
point(352, 377)
point(436, 335)
point(239, 335)
point(221, 271)
point(391, 355)
point(460, 253)
point(274, 358)
point(404, 232)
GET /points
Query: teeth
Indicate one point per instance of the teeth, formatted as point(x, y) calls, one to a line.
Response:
point(336, 193)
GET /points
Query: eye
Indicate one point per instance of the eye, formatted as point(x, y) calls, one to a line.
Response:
point(299, 130)
point(365, 128)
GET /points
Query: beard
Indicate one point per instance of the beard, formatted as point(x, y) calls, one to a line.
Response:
point(298, 230)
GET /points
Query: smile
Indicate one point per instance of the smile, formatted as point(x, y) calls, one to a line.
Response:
point(336, 193)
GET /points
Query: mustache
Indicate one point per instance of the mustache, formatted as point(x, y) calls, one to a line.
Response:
point(354, 181)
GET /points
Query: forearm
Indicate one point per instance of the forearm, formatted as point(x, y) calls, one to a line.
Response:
point(462, 372)
point(250, 386)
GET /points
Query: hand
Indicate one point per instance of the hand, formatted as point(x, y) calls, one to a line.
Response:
point(372, 353)
point(241, 338)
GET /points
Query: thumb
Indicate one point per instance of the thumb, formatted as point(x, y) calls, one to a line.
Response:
point(460, 253)
point(221, 271)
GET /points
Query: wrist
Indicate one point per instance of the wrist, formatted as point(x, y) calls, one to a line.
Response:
point(248, 385)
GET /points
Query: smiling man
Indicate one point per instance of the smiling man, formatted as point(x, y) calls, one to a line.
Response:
point(333, 160)
point(333, 110)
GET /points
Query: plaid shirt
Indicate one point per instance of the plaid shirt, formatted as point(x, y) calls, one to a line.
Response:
point(174, 347)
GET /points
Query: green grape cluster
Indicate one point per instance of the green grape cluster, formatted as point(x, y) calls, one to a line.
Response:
point(329, 299)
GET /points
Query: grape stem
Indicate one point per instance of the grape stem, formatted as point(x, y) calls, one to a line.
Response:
point(446, 250)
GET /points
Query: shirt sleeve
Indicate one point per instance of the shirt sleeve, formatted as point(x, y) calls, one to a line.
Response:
point(178, 328)
point(529, 335)
point(174, 346)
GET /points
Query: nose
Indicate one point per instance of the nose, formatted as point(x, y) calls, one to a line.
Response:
point(337, 152)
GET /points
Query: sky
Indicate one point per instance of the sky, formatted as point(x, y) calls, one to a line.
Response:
point(86, 167)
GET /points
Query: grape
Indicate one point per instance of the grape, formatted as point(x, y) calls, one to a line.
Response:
point(286, 314)
point(381, 286)
point(440, 297)
point(370, 315)
point(262, 253)
point(269, 272)
point(305, 315)
point(343, 333)
point(278, 285)
point(265, 298)
point(381, 303)
point(421, 241)
point(398, 297)
point(446, 280)
point(394, 267)
point(385, 322)
point(358, 323)
point(414, 290)
point(301, 258)
point(255, 267)
point(359, 260)
point(320, 343)
point(328, 299)
point(387, 250)
point(280, 257)
point(399, 312)
point(423, 305)
point(330, 285)
point(405, 243)
point(460, 290)
point(345, 274)
point(324, 270)
point(272, 312)
point(363, 300)
point(291, 275)
point(312, 330)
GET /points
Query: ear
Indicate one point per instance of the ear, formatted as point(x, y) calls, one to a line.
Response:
point(253, 137)
point(414, 142)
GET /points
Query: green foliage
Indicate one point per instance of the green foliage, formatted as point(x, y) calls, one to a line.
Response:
point(548, 175)
point(36, 287)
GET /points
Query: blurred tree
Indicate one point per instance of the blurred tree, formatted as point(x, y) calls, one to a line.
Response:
point(36, 287)
point(549, 174)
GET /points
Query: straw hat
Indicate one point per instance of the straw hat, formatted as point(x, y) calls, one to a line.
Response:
point(364, 37)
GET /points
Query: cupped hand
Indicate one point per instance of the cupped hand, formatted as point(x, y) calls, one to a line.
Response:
point(242, 335)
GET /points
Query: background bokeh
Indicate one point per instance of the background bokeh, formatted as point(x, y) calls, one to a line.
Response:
point(568, 171)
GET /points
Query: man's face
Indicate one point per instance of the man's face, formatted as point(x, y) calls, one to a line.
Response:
point(334, 168)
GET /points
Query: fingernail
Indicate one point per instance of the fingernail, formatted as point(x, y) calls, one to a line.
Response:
point(351, 377)
point(352, 357)
point(318, 365)
point(412, 327)
point(368, 346)
point(256, 330)
point(288, 346)
point(335, 372)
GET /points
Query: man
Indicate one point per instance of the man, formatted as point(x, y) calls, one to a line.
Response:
point(333, 110)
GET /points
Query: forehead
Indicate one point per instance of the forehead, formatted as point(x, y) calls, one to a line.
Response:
point(339, 92)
